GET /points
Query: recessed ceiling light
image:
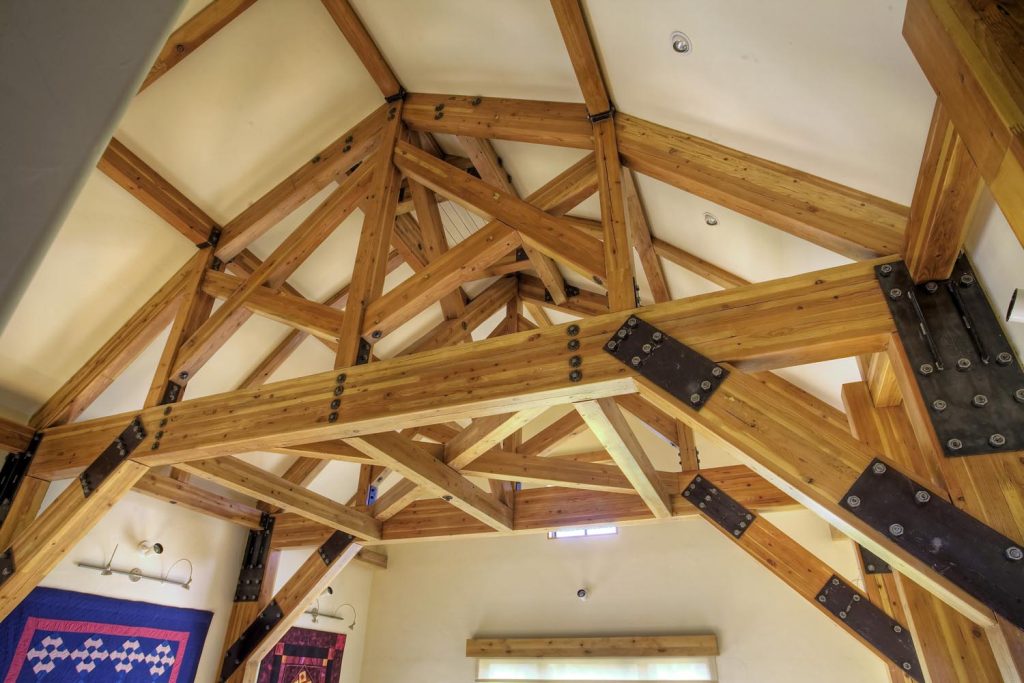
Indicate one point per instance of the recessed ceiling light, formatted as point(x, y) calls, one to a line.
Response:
point(710, 218)
point(680, 42)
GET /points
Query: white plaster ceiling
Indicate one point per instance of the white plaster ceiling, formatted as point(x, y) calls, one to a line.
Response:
point(829, 88)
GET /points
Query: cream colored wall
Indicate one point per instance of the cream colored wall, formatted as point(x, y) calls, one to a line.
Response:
point(215, 549)
point(680, 576)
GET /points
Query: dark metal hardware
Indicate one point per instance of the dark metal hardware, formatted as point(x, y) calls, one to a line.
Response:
point(601, 116)
point(172, 393)
point(884, 633)
point(672, 365)
point(363, 354)
point(873, 564)
point(254, 561)
point(212, 239)
point(957, 546)
point(956, 345)
point(334, 546)
point(13, 473)
point(398, 96)
point(720, 507)
point(112, 456)
point(250, 640)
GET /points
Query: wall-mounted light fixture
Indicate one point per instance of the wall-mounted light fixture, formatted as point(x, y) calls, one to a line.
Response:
point(135, 574)
point(317, 614)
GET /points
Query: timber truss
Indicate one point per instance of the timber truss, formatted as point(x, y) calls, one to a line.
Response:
point(447, 407)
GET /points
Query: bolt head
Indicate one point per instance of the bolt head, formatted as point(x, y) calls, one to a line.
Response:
point(376, 334)
point(1004, 358)
point(966, 280)
point(705, 385)
point(963, 364)
point(333, 417)
point(183, 375)
point(896, 529)
point(575, 376)
point(997, 441)
point(980, 400)
point(633, 322)
point(716, 372)
point(821, 598)
point(622, 334)
point(1014, 554)
point(879, 468)
point(853, 501)
point(447, 499)
point(635, 361)
point(572, 330)
point(339, 390)
point(895, 293)
point(886, 269)
point(922, 496)
point(954, 444)
point(926, 369)
point(931, 287)
point(646, 348)
point(612, 345)
point(907, 666)
point(939, 405)
point(575, 361)
point(657, 337)
point(341, 378)
point(694, 399)
point(574, 344)
point(897, 628)
point(1019, 395)
point(842, 614)
point(335, 403)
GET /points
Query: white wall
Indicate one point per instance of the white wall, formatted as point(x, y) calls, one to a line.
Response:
point(353, 586)
point(215, 549)
point(680, 576)
point(213, 546)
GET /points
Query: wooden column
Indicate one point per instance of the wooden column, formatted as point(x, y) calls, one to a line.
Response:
point(951, 648)
point(948, 187)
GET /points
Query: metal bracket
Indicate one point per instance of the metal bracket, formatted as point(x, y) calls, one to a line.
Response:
point(884, 633)
point(363, 354)
point(7, 566)
point(721, 508)
point(13, 473)
point(970, 554)
point(670, 364)
point(334, 546)
point(112, 456)
point(971, 382)
point(172, 393)
point(521, 254)
point(250, 640)
point(570, 292)
point(398, 96)
point(254, 561)
point(371, 495)
point(212, 239)
point(601, 116)
point(873, 564)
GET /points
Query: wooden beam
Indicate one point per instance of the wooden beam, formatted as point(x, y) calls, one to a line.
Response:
point(400, 496)
point(65, 522)
point(583, 303)
point(374, 242)
point(332, 164)
point(697, 265)
point(506, 466)
point(187, 38)
point(836, 217)
point(481, 308)
point(609, 425)
point(126, 169)
point(951, 648)
point(877, 371)
point(197, 499)
point(362, 43)
point(608, 646)
point(485, 434)
point(548, 234)
point(640, 230)
point(546, 440)
point(488, 165)
point(308, 581)
point(970, 53)
point(796, 566)
point(250, 480)
point(435, 244)
point(618, 251)
point(948, 188)
point(818, 316)
point(576, 37)
point(123, 347)
point(419, 466)
point(273, 273)
point(14, 437)
point(23, 509)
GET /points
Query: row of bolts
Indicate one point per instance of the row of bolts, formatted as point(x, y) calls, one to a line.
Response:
point(922, 497)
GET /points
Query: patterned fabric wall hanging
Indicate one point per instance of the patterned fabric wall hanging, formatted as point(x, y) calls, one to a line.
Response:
point(57, 636)
point(304, 656)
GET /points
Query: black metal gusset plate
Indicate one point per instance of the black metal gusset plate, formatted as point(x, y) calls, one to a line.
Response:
point(172, 393)
point(250, 640)
point(254, 561)
point(670, 364)
point(6, 565)
point(112, 456)
point(884, 633)
point(971, 381)
point(334, 546)
point(722, 509)
point(973, 556)
point(873, 564)
point(13, 473)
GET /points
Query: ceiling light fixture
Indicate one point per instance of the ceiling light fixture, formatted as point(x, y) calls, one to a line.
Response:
point(681, 43)
point(710, 218)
